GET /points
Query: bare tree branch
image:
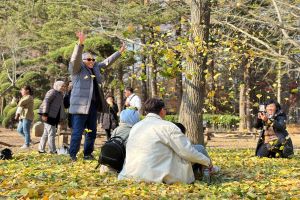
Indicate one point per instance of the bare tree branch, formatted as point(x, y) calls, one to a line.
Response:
point(283, 30)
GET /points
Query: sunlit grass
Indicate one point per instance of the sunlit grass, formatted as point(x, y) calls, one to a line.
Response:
point(243, 176)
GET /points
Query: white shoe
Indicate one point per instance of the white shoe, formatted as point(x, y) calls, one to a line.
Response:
point(25, 146)
point(215, 169)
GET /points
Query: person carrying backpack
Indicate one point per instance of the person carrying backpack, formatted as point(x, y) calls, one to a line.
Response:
point(113, 151)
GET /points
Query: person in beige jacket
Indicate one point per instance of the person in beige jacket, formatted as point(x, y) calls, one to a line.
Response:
point(157, 150)
point(25, 115)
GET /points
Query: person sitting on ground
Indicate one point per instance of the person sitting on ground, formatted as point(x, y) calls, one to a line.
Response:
point(52, 112)
point(128, 118)
point(274, 140)
point(157, 151)
point(25, 114)
point(197, 168)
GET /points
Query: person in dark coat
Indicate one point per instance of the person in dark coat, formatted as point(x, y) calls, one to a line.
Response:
point(274, 140)
point(110, 120)
point(52, 112)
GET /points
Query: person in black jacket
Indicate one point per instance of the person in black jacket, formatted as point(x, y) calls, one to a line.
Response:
point(110, 120)
point(274, 140)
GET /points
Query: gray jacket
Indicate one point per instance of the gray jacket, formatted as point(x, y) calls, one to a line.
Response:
point(82, 81)
point(52, 104)
point(122, 131)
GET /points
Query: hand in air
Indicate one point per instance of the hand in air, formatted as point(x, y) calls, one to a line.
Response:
point(81, 37)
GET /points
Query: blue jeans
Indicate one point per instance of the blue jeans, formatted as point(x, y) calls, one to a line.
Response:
point(24, 129)
point(200, 148)
point(79, 123)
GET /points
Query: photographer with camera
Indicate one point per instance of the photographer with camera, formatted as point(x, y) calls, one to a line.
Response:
point(274, 140)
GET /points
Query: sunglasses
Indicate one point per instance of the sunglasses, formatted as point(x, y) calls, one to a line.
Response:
point(90, 59)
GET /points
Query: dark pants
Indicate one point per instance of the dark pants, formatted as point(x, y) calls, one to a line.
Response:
point(108, 133)
point(79, 123)
point(263, 150)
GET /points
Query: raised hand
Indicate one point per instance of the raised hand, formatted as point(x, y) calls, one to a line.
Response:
point(81, 37)
point(123, 47)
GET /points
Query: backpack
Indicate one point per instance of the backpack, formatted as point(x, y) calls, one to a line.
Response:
point(6, 154)
point(113, 154)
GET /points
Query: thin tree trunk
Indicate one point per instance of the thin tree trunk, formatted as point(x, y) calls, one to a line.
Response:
point(279, 81)
point(153, 67)
point(119, 98)
point(212, 86)
point(153, 75)
point(242, 110)
point(248, 106)
point(191, 113)
point(178, 84)
point(179, 89)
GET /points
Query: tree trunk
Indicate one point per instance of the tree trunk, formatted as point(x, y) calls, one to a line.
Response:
point(191, 113)
point(279, 81)
point(178, 84)
point(179, 90)
point(153, 75)
point(247, 96)
point(153, 67)
point(242, 124)
point(119, 98)
point(212, 86)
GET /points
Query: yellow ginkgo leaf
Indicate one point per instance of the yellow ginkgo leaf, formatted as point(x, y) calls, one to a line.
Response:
point(88, 130)
point(281, 148)
point(93, 76)
point(86, 77)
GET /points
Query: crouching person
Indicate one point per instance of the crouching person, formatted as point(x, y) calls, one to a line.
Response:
point(157, 151)
point(128, 118)
point(274, 140)
point(52, 111)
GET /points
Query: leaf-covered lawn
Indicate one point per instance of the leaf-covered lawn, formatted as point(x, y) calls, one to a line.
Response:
point(35, 176)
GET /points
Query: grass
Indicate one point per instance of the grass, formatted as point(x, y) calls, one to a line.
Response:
point(33, 176)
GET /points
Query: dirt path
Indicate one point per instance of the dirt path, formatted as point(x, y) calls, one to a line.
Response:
point(13, 138)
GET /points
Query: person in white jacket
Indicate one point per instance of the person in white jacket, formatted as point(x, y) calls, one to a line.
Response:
point(157, 151)
point(132, 100)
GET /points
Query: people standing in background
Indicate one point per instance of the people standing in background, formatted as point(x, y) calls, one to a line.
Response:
point(132, 100)
point(25, 114)
point(110, 120)
point(52, 112)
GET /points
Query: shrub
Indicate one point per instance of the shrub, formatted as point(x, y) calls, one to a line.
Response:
point(171, 118)
point(226, 121)
point(1, 119)
point(11, 113)
point(37, 103)
point(36, 116)
point(5, 122)
point(7, 108)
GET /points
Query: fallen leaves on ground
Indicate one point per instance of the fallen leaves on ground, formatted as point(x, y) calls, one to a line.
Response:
point(43, 176)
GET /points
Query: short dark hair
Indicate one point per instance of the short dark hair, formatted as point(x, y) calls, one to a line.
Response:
point(154, 105)
point(110, 95)
point(28, 88)
point(272, 101)
point(180, 126)
point(130, 89)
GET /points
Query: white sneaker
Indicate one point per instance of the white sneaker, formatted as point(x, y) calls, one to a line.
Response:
point(215, 169)
point(25, 146)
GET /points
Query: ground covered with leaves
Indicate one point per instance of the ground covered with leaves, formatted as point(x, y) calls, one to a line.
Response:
point(40, 176)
